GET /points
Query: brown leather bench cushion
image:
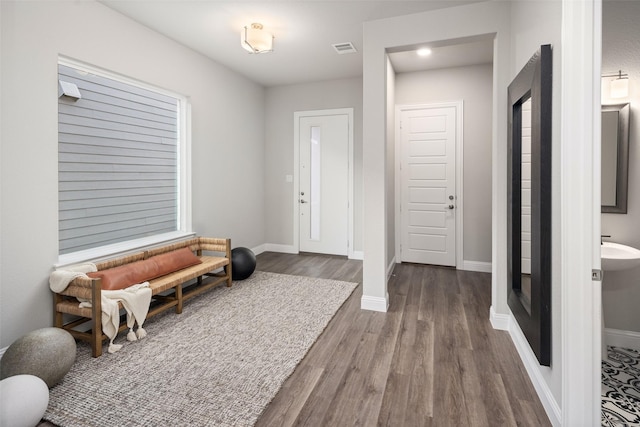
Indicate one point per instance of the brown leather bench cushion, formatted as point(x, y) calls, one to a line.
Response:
point(140, 271)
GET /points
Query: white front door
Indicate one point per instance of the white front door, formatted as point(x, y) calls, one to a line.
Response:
point(323, 194)
point(428, 185)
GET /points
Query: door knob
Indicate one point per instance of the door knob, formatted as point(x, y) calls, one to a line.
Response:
point(303, 201)
point(449, 207)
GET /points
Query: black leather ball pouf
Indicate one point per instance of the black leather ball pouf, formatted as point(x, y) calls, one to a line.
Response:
point(243, 263)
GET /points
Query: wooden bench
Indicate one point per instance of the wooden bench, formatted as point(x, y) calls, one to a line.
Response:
point(167, 290)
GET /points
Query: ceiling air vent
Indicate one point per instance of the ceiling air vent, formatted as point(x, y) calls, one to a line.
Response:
point(343, 48)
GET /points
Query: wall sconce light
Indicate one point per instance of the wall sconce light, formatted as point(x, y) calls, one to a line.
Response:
point(255, 40)
point(619, 86)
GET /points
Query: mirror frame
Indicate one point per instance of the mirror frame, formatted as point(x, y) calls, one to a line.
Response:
point(622, 173)
point(535, 81)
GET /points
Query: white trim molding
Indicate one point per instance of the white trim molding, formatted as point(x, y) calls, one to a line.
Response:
point(579, 177)
point(620, 338)
point(533, 368)
point(506, 322)
point(390, 268)
point(479, 266)
point(292, 249)
point(499, 321)
point(374, 303)
point(275, 247)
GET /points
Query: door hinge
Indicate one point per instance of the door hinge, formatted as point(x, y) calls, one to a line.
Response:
point(596, 275)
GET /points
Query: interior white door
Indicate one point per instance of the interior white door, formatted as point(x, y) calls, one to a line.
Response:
point(324, 184)
point(427, 186)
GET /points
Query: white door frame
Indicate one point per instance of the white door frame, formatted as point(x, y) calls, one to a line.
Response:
point(581, 61)
point(459, 106)
point(296, 173)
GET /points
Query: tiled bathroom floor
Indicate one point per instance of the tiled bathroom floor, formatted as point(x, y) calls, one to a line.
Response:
point(621, 388)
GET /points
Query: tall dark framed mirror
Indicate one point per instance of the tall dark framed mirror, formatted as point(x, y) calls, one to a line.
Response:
point(529, 202)
point(615, 158)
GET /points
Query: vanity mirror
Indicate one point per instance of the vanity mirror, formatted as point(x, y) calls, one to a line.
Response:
point(615, 158)
point(529, 202)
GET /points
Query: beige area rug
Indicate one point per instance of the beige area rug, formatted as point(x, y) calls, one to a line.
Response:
point(219, 363)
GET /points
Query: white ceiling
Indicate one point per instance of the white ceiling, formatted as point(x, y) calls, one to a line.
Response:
point(304, 32)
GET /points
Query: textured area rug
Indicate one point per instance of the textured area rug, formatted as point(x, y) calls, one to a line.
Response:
point(219, 363)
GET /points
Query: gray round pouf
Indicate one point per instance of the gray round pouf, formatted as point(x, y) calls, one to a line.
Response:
point(47, 353)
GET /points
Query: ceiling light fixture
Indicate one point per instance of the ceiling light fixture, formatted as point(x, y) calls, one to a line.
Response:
point(425, 51)
point(255, 40)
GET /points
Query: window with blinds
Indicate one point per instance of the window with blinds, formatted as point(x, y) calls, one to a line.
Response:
point(118, 161)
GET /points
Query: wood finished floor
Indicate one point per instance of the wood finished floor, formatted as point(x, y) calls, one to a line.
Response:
point(432, 360)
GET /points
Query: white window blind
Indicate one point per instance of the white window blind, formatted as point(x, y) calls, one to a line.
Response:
point(118, 162)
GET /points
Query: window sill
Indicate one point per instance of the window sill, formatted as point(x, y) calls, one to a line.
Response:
point(118, 249)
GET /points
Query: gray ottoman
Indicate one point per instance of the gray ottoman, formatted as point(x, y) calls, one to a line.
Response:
point(47, 353)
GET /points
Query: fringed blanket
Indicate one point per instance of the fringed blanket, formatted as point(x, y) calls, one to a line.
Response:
point(135, 300)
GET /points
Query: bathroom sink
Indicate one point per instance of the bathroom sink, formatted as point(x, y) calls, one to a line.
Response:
point(616, 256)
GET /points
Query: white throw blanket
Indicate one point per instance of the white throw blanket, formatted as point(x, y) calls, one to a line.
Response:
point(135, 299)
point(60, 279)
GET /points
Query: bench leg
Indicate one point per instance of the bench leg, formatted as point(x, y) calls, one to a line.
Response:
point(96, 321)
point(57, 316)
point(179, 298)
point(227, 270)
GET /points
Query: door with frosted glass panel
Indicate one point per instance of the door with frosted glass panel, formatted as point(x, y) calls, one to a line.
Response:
point(324, 197)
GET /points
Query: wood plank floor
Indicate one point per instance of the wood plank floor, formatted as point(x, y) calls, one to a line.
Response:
point(432, 360)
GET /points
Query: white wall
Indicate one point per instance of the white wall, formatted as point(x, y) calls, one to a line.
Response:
point(390, 168)
point(280, 104)
point(621, 51)
point(405, 31)
point(533, 24)
point(227, 134)
point(473, 85)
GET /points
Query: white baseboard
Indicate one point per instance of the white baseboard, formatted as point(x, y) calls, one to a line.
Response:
point(620, 338)
point(374, 303)
point(290, 249)
point(274, 247)
point(390, 268)
point(481, 267)
point(259, 249)
point(533, 369)
point(499, 321)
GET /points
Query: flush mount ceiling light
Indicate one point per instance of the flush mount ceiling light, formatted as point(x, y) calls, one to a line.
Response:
point(255, 40)
point(619, 86)
point(425, 51)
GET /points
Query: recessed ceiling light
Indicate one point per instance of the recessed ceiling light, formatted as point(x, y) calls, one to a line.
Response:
point(425, 51)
